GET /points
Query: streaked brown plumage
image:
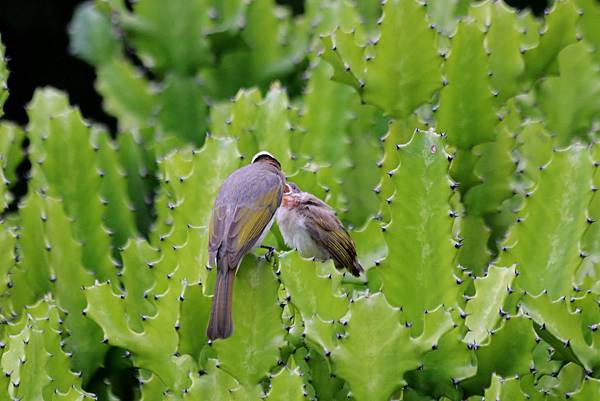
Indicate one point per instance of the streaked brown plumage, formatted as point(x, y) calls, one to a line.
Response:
point(310, 225)
point(242, 215)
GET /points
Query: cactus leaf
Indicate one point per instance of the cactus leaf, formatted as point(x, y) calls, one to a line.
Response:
point(562, 327)
point(442, 369)
point(118, 216)
point(570, 100)
point(73, 394)
point(82, 203)
point(505, 389)
point(370, 244)
point(494, 169)
point(30, 381)
point(416, 274)
point(3, 78)
point(46, 103)
point(228, 14)
point(30, 279)
point(444, 14)
point(534, 152)
point(275, 40)
point(182, 109)
point(195, 310)
point(152, 388)
point(504, 42)
point(68, 277)
point(406, 50)
point(91, 34)
point(545, 250)
point(127, 95)
point(154, 348)
point(8, 241)
point(139, 175)
point(272, 127)
point(11, 141)
point(361, 170)
point(310, 293)
point(241, 120)
point(325, 384)
point(502, 354)
point(138, 260)
point(466, 111)
point(559, 32)
point(323, 97)
point(341, 50)
point(588, 24)
point(474, 254)
point(33, 359)
point(589, 389)
point(590, 243)
point(11, 154)
point(334, 16)
point(181, 47)
point(213, 383)
point(287, 385)
point(262, 125)
point(321, 332)
point(384, 347)
point(482, 309)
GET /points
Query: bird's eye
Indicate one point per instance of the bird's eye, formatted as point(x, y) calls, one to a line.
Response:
point(287, 189)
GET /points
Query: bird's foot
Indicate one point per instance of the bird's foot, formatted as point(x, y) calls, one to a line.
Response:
point(270, 252)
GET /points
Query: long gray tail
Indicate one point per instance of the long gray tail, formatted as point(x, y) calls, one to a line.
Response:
point(356, 268)
point(220, 324)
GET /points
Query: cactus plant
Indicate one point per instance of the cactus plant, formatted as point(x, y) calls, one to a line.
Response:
point(458, 142)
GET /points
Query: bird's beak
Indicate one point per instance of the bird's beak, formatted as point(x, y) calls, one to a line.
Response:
point(287, 189)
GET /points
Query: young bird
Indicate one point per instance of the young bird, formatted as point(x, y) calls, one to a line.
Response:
point(310, 225)
point(242, 216)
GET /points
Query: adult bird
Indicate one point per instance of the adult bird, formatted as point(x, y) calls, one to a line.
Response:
point(310, 225)
point(242, 216)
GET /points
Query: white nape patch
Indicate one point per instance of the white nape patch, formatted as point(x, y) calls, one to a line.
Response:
point(296, 236)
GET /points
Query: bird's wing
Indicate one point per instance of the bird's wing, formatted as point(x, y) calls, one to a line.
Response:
point(326, 229)
point(244, 207)
point(252, 215)
point(216, 229)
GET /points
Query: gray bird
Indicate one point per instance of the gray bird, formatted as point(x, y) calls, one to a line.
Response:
point(242, 216)
point(310, 225)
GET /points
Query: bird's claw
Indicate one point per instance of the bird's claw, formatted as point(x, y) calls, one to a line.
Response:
point(270, 252)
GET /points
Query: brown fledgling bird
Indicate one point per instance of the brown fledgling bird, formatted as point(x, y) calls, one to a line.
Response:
point(242, 216)
point(310, 225)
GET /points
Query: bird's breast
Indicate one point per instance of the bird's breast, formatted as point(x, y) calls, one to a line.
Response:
point(293, 229)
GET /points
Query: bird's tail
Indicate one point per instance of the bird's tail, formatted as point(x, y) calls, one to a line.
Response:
point(220, 324)
point(356, 268)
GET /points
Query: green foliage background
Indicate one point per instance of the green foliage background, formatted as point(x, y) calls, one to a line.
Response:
point(457, 140)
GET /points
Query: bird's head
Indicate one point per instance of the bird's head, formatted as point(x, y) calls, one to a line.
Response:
point(291, 188)
point(266, 157)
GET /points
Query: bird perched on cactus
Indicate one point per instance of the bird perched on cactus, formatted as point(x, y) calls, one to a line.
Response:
point(242, 216)
point(310, 225)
